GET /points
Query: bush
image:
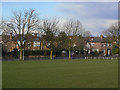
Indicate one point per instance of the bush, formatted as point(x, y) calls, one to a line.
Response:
point(36, 52)
point(115, 49)
point(82, 51)
point(94, 53)
point(13, 54)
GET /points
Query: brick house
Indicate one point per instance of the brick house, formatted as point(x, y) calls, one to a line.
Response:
point(101, 45)
point(8, 43)
point(34, 43)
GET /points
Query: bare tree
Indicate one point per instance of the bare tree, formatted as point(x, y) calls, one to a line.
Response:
point(20, 25)
point(86, 34)
point(113, 32)
point(73, 28)
point(1, 25)
point(50, 28)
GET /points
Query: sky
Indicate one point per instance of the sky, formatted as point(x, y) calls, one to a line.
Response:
point(94, 16)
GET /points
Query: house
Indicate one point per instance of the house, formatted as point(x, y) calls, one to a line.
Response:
point(33, 42)
point(8, 43)
point(101, 45)
point(89, 45)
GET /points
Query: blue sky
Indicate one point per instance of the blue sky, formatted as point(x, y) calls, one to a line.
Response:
point(42, 8)
point(95, 16)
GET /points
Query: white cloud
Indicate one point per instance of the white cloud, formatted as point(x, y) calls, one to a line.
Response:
point(97, 26)
point(89, 10)
point(96, 17)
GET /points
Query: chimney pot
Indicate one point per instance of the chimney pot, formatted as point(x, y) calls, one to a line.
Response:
point(10, 36)
point(35, 34)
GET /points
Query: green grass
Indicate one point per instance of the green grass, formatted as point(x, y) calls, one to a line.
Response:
point(60, 74)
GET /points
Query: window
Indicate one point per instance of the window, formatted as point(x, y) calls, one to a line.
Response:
point(35, 44)
point(93, 50)
point(63, 51)
point(104, 51)
point(16, 45)
point(29, 44)
point(107, 44)
point(110, 44)
point(92, 44)
point(103, 45)
point(97, 50)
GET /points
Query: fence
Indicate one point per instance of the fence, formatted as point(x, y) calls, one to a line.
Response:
point(101, 57)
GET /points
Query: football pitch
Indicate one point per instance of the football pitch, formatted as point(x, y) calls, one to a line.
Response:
point(82, 73)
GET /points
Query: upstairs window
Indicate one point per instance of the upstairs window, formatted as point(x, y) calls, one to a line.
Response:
point(36, 44)
point(92, 44)
point(103, 45)
point(110, 44)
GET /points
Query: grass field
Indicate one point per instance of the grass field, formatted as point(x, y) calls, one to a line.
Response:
point(60, 74)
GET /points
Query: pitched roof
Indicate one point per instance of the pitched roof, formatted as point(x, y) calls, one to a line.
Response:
point(28, 37)
point(5, 38)
point(99, 39)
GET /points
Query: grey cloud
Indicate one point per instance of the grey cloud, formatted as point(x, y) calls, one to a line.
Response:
point(95, 16)
point(107, 10)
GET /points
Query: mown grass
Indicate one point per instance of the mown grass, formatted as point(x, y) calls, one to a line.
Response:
point(60, 74)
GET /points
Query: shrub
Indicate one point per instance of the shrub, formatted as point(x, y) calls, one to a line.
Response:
point(115, 49)
point(36, 52)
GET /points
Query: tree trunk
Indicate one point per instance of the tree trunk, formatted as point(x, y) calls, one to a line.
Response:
point(69, 54)
point(21, 55)
point(51, 53)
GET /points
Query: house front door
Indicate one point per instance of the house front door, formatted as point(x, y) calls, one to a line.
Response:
point(108, 52)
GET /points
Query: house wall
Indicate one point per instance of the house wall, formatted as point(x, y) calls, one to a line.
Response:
point(101, 47)
point(39, 46)
point(11, 45)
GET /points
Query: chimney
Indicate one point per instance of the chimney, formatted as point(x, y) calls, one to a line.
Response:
point(91, 39)
point(36, 35)
point(10, 36)
point(101, 36)
point(36, 38)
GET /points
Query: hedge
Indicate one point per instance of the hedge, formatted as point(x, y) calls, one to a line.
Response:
point(36, 52)
point(115, 49)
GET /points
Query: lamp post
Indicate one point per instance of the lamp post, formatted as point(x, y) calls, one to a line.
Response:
point(23, 48)
point(23, 53)
point(69, 48)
